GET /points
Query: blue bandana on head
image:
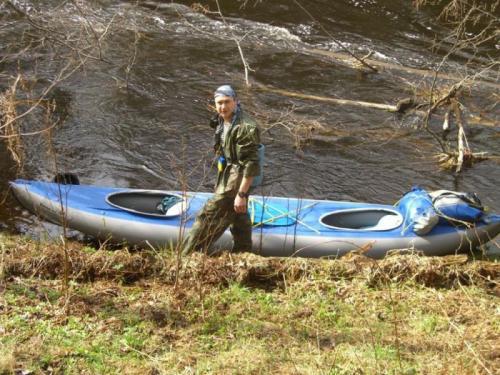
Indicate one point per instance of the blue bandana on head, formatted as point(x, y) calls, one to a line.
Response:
point(225, 90)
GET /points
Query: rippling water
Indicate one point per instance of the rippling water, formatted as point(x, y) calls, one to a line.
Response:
point(110, 131)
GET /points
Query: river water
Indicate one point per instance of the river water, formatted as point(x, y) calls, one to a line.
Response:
point(114, 120)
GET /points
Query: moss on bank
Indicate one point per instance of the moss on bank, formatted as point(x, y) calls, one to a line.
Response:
point(138, 312)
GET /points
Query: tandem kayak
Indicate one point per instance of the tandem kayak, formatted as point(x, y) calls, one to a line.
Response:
point(283, 227)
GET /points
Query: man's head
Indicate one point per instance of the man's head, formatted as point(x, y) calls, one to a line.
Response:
point(225, 102)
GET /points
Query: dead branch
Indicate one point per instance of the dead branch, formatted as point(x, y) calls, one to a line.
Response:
point(461, 137)
point(98, 39)
point(9, 112)
point(72, 48)
point(462, 156)
point(299, 127)
point(132, 59)
point(63, 75)
point(461, 14)
point(246, 66)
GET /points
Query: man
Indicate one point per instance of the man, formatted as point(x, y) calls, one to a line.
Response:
point(237, 140)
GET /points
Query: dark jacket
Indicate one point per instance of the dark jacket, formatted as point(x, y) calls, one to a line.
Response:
point(240, 150)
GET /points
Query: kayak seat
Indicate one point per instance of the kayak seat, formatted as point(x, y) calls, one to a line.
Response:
point(363, 219)
point(387, 222)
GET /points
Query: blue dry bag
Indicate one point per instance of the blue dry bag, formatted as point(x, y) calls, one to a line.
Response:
point(453, 205)
point(418, 212)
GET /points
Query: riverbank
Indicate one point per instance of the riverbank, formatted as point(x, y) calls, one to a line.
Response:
point(145, 312)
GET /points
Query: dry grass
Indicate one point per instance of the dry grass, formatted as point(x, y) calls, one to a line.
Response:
point(8, 126)
point(7, 362)
point(87, 264)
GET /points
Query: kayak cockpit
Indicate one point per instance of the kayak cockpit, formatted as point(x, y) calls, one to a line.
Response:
point(371, 219)
point(147, 202)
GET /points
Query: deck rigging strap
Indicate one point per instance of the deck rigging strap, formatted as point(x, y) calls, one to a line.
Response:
point(276, 215)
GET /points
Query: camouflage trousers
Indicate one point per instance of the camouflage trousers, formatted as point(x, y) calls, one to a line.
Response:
point(214, 218)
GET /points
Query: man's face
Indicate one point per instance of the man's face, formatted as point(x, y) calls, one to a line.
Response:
point(225, 106)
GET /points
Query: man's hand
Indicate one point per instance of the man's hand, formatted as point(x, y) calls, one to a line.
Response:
point(240, 204)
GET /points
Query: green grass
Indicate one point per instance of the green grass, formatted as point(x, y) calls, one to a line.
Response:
point(331, 317)
point(41, 336)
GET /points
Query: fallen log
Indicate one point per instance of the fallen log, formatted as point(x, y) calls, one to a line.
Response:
point(292, 94)
point(476, 120)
